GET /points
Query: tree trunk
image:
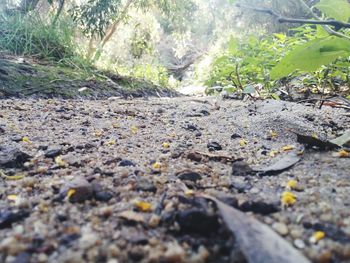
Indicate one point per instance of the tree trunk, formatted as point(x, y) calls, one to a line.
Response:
point(111, 30)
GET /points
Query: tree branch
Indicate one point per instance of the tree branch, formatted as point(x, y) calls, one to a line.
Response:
point(324, 23)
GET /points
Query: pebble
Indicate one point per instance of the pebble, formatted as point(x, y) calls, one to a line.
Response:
point(190, 176)
point(12, 157)
point(83, 190)
point(53, 152)
point(174, 253)
point(214, 146)
point(298, 243)
point(280, 228)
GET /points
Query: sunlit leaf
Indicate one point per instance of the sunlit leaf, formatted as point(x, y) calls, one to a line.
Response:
point(337, 9)
point(311, 56)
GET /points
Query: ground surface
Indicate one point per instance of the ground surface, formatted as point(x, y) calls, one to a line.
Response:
point(113, 180)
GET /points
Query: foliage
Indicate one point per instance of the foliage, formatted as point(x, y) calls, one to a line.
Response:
point(31, 35)
point(249, 61)
point(323, 49)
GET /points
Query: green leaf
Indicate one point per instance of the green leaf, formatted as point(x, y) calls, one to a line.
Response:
point(320, 32)
point(311, 55)
point(249, 90)
point(233, 46)
point(337, 9)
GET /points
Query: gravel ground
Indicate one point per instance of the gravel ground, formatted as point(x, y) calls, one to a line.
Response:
point(115, 180)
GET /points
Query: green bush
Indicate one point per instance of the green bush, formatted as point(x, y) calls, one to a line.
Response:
point(250, 61)
point(32, 35)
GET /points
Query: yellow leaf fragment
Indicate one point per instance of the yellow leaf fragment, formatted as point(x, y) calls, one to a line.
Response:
point(292, 184)
point(317, 236)
point(288, 198)
point(71, 192)
point(143, 206)
point(26, 139)
point(273, 153)
point(13, 198)
point(12, 177)
point(98, 133)
point(166, 145)
point(189, 193)
point(115, 125)
point(314, 135)
point(111, 142)
point(60, 162)
point(243, 142)
point(156, 166)
point(288, 148)
point(343, 154)
point(133, 129)
point(273, 134)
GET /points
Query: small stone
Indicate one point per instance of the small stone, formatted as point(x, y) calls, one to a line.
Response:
point(124, 163)
point(154, 221)
point(191, 127)
point(241, 168)
point(146, 185)
point(280, 228)
point(254, 190)
point(12, 157)
point(53, 152)
point(298, 243)
point(8, 217)
point(193, 156)
point(174, 253)
point(103, 196)
point(236, 136)
point(214, 146)
point(77, 190)
point(88, 238)
point(189, 176)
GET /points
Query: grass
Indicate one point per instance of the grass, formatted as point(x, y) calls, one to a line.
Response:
point(36, 36)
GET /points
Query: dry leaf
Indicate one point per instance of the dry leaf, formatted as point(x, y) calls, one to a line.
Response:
point(143, 206)
point(258, 242)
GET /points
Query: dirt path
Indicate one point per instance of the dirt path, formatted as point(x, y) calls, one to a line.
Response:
point(115, 180)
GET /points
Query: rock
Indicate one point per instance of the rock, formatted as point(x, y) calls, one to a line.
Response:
point(126, 163)
point(16, 138)
point(88, 238)
point(240, 185)
point(53, 152)
point(77, 190)
point(146, 185)
point(193, 156)
point(191, 127)
point(214, 146)
point(189, 176)
point(241, 168)
point(23, 257)
point(259, 207)
point(103, 196)
point(280, 228)
point(298, 243)
point(12, 157)
point(197, 221)
point(8, 217)
point(174, 253)
point(236, 136)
